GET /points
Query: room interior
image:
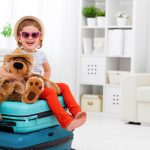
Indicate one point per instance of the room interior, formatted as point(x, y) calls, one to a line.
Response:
point(105, 63)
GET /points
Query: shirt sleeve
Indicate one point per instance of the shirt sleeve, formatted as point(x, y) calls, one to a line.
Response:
point(44, 58)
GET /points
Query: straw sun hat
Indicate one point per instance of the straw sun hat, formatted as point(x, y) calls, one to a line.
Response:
point(18, 53)
point(25, 18)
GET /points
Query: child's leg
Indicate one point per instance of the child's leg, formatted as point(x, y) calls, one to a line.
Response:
point(62, 116)
point(79, 117)
point(70, 102)
point(65, 120)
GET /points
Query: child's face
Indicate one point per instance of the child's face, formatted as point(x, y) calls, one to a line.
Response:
point(29, 37)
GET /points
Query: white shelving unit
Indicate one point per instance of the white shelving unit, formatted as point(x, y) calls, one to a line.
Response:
point(124, 49)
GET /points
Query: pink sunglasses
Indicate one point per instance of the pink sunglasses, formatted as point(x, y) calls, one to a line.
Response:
point(26, 35)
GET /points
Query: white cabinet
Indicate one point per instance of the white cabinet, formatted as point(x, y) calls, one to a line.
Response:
point(111, 47)
point(112, 99)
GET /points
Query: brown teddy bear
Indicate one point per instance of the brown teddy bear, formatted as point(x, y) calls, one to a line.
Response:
point(29, 87)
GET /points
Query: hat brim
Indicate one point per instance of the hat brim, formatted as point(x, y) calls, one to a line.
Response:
point(18, 53)
point(8, 57)
point(25, 18)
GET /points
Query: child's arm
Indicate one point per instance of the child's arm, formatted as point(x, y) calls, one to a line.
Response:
point(47, 70)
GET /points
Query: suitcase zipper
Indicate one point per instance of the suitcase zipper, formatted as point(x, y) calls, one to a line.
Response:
point(26, 118)
point(39, 115)
point(7, 124)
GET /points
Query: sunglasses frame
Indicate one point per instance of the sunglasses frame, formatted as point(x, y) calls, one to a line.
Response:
point(30, 34)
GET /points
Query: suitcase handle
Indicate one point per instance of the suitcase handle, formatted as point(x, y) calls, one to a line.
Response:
point(7, 123)
point(25, 119)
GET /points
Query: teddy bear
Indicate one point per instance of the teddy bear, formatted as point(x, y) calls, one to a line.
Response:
point(28, 87)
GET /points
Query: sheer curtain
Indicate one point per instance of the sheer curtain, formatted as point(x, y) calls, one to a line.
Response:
point(60, 21)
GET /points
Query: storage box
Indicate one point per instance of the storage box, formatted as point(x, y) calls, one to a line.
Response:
point(114, 77)
point(91, 103)
point(92, 70)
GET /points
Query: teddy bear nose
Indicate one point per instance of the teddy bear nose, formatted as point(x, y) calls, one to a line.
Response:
point(18, 65)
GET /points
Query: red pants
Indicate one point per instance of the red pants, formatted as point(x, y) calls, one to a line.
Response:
point(51, 97)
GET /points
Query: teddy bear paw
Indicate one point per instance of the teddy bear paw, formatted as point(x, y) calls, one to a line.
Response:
point(34, 88)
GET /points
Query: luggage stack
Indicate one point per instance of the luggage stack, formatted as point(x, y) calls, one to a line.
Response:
point(32, 126)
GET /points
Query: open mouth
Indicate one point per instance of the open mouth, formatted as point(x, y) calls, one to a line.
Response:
point(30, 43)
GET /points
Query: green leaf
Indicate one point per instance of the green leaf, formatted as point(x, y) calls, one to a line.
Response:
point(7, 30)
point(89, 12)
point(100, 12)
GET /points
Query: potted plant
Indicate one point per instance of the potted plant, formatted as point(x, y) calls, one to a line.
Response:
point(100, 17)
point(90, 14)
point(5, 39)
point(7, 30)
point(122, 18)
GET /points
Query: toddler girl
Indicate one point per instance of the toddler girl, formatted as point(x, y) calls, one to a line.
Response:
point(29, 34)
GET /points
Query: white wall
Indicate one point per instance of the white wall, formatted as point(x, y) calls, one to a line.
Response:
point(69, 42)
point(148, 49)
point(60, 18)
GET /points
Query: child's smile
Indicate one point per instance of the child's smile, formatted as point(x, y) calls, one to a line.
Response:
point(30, 43)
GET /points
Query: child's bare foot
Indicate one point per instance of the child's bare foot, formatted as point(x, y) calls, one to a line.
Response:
point(78, 121)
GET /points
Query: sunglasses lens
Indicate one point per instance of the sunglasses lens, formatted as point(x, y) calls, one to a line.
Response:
point(25, 34)
point(28, 34)
point(35, 34)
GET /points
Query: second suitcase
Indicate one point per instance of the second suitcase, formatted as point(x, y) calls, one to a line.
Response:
point(53, 138)
point(19, 117)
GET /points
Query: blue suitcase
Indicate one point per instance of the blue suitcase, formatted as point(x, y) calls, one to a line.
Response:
point(19, 117)
point(53, 138)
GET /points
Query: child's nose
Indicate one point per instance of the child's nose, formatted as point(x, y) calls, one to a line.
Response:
point(30, 37)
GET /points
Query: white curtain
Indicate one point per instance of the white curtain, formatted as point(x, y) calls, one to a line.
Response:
point(60, 21)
